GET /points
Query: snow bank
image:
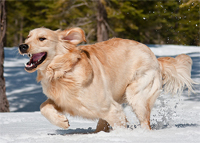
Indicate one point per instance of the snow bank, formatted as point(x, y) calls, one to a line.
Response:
point(173, 50)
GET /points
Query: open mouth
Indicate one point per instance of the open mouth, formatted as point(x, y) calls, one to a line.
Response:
point(35, 60)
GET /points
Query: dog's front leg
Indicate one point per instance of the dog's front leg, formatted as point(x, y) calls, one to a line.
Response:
point(51, 111)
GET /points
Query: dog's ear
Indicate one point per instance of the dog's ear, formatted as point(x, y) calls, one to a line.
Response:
point(73, 36)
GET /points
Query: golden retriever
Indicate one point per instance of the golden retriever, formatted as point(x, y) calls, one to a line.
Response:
point(92, 81)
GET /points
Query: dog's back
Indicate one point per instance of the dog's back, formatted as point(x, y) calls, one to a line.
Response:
point(119, 62)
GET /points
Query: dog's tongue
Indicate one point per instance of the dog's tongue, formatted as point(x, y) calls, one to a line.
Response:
point(37, 57)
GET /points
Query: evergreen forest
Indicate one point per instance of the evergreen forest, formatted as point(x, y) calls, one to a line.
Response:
point(146, 21)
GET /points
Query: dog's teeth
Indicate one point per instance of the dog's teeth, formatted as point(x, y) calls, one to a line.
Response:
point(30, 55)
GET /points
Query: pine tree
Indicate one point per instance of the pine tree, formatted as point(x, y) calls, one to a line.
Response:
point(163, 19)
point(189, 23)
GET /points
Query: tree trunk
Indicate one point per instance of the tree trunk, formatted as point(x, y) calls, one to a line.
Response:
point(102, 31)
point(4, 105)
point(21, 31)
point(16, 41)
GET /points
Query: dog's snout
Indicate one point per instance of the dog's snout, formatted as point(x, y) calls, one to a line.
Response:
point(23, 48)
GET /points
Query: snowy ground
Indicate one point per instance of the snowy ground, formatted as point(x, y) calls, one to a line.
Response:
point(173, 119)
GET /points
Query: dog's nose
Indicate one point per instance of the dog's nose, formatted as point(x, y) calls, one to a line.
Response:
point(23, 48)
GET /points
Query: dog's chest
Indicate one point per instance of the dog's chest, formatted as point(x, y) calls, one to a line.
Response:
point(45, 87)
point(69, 98)
point(62, 93)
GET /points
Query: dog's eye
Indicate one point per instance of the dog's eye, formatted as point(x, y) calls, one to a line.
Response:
point(42, 39)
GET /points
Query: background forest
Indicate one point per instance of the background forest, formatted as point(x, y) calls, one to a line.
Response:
point(146, 21)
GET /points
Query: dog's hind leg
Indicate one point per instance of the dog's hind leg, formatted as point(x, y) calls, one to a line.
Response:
point(141, 95)
point(102, 125)
point(115, 116)
point(52, 112)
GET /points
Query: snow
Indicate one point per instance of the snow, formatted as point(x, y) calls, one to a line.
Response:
point(173, 118)
point(172, 50)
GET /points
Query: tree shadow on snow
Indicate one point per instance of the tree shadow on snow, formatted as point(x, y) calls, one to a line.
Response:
point(23, 92)
point(73, 131)
point(159, 127)
point(80, 131)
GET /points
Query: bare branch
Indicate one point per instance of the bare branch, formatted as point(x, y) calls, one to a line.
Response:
point(71, 7)
point(89, 34)
point(107, 25)
point(81, 24)
point(188, 3)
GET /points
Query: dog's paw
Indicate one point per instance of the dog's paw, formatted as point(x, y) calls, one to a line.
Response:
point(62, 122)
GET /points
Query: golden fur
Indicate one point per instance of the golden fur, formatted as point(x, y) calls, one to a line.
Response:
point(92, 81)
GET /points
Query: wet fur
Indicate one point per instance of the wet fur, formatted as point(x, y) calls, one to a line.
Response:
point(92, 81)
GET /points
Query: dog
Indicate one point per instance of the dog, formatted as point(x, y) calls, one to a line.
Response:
point(92, 81)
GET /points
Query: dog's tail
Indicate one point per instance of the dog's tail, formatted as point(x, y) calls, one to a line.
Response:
point(176, 73)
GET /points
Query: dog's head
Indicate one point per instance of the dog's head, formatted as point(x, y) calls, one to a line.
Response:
point(43, 44)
